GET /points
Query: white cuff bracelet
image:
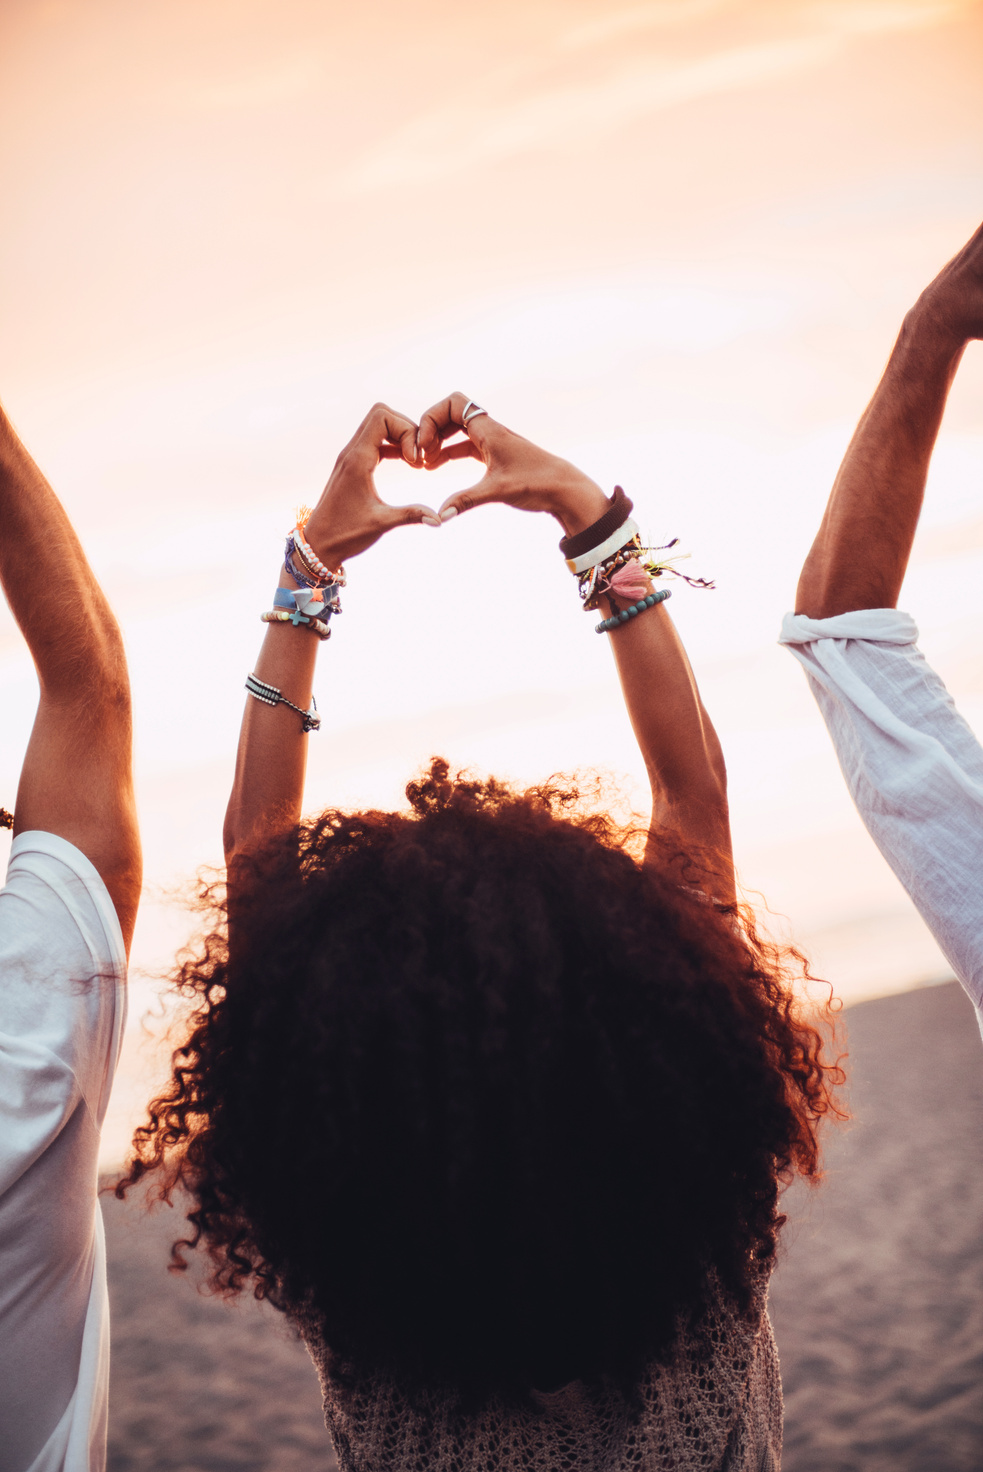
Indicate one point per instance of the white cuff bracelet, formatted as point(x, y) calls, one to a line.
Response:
point(613, 543)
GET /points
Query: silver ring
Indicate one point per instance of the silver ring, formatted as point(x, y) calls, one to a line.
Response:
point(471, 411)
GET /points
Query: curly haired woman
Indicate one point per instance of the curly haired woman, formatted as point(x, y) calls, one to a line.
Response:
point(495, 1108)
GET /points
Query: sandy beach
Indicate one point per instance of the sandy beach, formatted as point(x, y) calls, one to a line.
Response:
point(877, 1302)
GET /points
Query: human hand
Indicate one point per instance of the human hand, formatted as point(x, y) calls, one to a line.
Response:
point(518, 473)
point(952, 304)
point(351, 515)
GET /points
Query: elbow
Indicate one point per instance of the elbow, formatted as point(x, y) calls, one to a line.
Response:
point(715, 765)
point(89, 669)
point(713, 794)
point(685, 784)
point(238, 834)
point(230, 842)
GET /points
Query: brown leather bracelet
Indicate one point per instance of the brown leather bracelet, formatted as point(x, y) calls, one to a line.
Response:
point(618, 512)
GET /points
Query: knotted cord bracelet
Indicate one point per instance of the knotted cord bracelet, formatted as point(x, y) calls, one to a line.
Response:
point(607, 624)
point(270, 695)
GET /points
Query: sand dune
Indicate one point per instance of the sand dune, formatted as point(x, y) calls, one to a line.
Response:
point(878, 1301)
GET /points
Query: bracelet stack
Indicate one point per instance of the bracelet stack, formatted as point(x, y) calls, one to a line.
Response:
point(302, 607)
point(610, 561)
point(313, 604)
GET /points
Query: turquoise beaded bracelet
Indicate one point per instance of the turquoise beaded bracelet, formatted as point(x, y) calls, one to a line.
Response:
point(607, 624)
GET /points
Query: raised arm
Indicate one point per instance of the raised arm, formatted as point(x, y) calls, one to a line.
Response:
point(678, 742)
point(76, 781)
point(861, 551)
point(271, 762)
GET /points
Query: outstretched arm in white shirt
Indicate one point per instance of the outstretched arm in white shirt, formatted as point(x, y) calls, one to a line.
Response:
point(913, 766)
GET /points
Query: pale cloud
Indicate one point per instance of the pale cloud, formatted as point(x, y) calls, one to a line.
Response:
point(450, 139)
point(510, 114)
point(658, 14)
point(872, 17)
point(258, 86)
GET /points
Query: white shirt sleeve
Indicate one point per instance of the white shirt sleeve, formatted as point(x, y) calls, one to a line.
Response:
point(62, 1007)
point(913, 766)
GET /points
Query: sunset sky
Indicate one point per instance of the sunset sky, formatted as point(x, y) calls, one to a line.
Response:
point(670, 240)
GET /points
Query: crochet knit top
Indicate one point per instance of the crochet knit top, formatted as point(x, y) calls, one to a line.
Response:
point(716, 1406)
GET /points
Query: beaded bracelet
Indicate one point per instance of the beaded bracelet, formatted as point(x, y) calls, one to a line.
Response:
point(289, 566)
point(311, 560)
point(607, 624)
point(281, 616)
point(6, 819)
point(594, 582)
point(310, 576)
point(270, 695)
point(305, 575)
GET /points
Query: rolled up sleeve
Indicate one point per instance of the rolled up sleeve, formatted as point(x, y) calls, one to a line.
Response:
point(913, 766)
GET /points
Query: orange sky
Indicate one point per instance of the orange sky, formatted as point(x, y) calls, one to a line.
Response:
point(672, 240)
point(191, 179)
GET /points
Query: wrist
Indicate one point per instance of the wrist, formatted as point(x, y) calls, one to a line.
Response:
point(929, 331)
point(580, 508)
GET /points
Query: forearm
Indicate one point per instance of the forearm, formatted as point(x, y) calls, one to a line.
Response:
point(268, 789)
point(76, 780)
point(271, 761)
point(53, 594)
point(861, 552)
point(678, 742)
point(679, 745)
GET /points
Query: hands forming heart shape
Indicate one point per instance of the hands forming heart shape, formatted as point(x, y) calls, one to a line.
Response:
point(351, 516)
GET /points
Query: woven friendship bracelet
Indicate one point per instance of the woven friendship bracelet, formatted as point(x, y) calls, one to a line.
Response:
point(311, 601)
point(270, 695)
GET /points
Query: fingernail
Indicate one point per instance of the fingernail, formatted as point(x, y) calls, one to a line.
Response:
point(446, 515)
point(430, 520)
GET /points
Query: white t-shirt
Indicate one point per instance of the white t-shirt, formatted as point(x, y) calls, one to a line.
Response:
point(913, 766)
point(62, 1008)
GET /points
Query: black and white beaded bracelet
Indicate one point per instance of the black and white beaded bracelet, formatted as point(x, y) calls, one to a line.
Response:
point(270, 695)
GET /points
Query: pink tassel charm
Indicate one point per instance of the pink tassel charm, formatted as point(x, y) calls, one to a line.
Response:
point(630, 582)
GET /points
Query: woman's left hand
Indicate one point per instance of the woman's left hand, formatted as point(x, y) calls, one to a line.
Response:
point(351, 516)
point(517, 472)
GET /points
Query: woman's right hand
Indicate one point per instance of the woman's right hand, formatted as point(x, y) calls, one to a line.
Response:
point(518, 473)
point(350, 515)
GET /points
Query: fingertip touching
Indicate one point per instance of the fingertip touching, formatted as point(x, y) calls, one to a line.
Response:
point(413, 516)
